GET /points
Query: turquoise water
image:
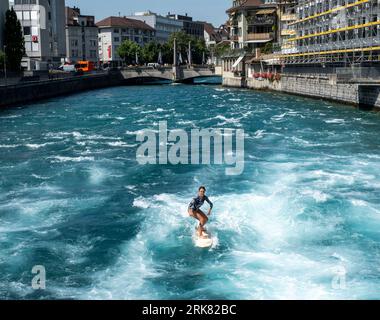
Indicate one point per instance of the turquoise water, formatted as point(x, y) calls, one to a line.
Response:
point(74, 199)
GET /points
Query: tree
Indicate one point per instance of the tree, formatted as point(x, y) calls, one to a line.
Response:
point(128, 50)
point(221, 49)
point(167, 53)
point(14, 41)
point(198, 46)
point(150, 52)
point(199, 51)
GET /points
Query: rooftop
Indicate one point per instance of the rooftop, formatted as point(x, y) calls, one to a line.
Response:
point(123, 22)
point(245, 4)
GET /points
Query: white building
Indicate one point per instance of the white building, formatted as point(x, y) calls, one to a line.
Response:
point(43, 23)
point(164, 26)
point(4, 6)
point(114, 30)
point(81, 36)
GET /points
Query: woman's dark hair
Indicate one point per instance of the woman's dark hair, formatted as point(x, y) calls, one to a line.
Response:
point(202, 187)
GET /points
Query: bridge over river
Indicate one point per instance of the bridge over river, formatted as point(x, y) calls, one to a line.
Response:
point(184, 74)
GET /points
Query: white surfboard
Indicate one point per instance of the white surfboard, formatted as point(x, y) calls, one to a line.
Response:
point(203, 242)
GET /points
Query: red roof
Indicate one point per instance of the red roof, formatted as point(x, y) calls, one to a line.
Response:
point(247, 4)
point(209, 28)
point(123, 22)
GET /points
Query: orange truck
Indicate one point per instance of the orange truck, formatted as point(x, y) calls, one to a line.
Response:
point(85, 66)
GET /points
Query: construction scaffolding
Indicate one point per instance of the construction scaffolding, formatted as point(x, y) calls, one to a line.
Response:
point(334, 31)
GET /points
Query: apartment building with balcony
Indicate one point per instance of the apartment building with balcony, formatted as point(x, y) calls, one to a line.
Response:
point(81, 36)
point(114, 30)
point(43, 23)
point(336, 32)
point(286, 17)
point(253, 23)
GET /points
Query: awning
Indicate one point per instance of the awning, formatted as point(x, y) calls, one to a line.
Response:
point(238, 61)
point(265, 11)
point(258, 41)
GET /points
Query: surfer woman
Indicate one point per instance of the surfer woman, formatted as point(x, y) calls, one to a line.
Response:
point(195, 211)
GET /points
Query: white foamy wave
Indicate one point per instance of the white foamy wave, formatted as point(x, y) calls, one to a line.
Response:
point(70, 159)
point(9, 146)
point(279, 117)
point(359, 203)
point(227, 120)
point(11, 116)
point(36, 145)
point(338, 121)
point(121, 144)
point(317, 195)
point(130, 277)
point(259, 134)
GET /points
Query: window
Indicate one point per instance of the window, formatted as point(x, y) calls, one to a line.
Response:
point(116, 30)
point(116, 39)
point(33, 15)
point(19, 15)
point(35, 46)
point(26, 15)
point(27, 31)
point(28, 46)
point(34, 31)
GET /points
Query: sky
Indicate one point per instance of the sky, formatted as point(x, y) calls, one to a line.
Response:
point(213, 11)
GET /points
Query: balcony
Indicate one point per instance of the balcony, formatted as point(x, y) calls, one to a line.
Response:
point(260, 37)
point(288, 17)
point(261, 20)
point(288, 32)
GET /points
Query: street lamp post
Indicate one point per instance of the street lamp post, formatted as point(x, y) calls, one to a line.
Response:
point(190, 57)
point(5, 65)
point(175, 53)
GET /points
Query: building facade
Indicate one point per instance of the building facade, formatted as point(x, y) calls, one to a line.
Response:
point(164, 26)
point(213, 35)
point(190, 27)
point(81, 36)
point(114, 30)
point(43, 23)
point(336, 31)
point(253, 23)
point(4, 6)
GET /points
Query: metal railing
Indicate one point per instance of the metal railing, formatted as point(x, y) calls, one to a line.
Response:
point(358, 74)
point(260, 36)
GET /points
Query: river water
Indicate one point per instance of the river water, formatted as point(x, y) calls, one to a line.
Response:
point(302, 221)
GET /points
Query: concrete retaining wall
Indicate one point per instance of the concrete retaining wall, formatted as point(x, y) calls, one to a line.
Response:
point(29, 92)
point(229, 80)
point(315, 86)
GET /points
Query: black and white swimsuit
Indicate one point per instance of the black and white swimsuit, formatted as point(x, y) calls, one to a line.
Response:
point(198, 202)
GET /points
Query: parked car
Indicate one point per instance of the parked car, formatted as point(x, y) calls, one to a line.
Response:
point(67, 68)
point(154, 65)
